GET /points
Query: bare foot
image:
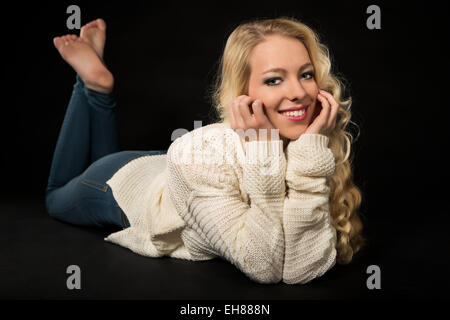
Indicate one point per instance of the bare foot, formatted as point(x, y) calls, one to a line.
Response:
point(94, 33)
point(85, 61)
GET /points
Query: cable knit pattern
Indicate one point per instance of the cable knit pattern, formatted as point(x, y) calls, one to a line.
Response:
point(310, 237)
point(207, 195)
point(246, 202)
point(139, 188)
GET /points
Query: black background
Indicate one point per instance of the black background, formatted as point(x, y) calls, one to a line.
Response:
point(164, 56)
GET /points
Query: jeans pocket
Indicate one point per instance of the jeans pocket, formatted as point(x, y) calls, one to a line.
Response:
point(98, 172)
point(96, 185)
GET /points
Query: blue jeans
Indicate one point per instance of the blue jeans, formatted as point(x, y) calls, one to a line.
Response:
point(86, 156)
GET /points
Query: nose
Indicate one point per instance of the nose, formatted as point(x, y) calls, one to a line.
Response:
point(295, 90)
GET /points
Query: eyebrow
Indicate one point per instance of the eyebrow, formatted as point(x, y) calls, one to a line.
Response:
point(284, 71)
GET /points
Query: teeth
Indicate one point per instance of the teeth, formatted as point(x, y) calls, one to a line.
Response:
point(294, 113)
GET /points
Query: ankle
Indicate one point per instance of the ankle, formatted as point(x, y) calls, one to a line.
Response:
point(104, 83)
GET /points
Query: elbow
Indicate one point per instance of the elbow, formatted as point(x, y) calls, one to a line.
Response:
point(263, 271)
point(268, 276)
point(308, 274)
point(312, 265)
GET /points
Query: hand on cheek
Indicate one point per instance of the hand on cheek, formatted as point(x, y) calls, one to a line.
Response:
point(327, 109)
point(249, 113)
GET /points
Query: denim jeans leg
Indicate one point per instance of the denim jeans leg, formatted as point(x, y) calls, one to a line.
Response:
point(71, 155)
point(89, 131)
point(86, 156)
point(87, 200)
point(103, 126)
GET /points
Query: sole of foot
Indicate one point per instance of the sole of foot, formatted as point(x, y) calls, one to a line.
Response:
point(94, 33)
point(82, 57)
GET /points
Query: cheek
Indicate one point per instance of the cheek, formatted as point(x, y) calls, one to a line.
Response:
point(313, 91)
point(271, 112)
point(269, 103)
point(315, 111)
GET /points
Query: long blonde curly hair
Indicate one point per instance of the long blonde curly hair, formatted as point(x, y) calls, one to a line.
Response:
point(232, 81)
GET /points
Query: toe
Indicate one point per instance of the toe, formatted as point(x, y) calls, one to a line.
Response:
point(91, 24)
point(84, 28)
point(101, 24)
point(66, 40)
point(58, 42)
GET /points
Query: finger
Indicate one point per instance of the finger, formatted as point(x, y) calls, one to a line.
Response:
point(323, 94)
point(247, 100)
point(260, 117)
point(333, 116)
point(334, 106)
point(241, 98)
point(240, 127)
point(261, 120)
point(325, 113)
point(329, 97)
point(245, 112)
point(237, 116)
point(327, 94)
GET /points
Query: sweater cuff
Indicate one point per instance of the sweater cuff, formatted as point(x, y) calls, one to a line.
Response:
point(318, 141)
point(263, 149)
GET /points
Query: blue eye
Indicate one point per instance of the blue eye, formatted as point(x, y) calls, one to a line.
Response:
point(311, 74)
point(268, 81)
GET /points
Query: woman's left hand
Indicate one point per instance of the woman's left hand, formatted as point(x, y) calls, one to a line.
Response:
point(326, 120)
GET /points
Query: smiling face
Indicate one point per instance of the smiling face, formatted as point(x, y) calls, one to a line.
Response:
point(292, 85)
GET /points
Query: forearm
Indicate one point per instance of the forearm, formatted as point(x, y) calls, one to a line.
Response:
point(264, 181)
point(310, 237)
point(248, 235)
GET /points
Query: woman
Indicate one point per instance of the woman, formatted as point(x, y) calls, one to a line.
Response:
point(268, 188)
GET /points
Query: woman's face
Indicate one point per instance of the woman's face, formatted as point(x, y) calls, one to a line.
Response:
point(280, 90)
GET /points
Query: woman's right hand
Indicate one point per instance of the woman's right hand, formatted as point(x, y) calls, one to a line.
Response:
point(242, 118)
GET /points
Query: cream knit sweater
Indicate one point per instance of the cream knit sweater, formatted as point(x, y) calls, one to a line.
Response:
point(261, 208)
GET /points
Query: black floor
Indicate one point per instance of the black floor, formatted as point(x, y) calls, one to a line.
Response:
point(36, 251)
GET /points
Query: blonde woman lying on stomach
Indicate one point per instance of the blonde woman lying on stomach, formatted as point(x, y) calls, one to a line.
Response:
point(268, 187)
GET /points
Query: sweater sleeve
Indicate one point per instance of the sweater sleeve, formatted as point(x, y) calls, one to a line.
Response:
point(250, 236)
point(310, 238)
